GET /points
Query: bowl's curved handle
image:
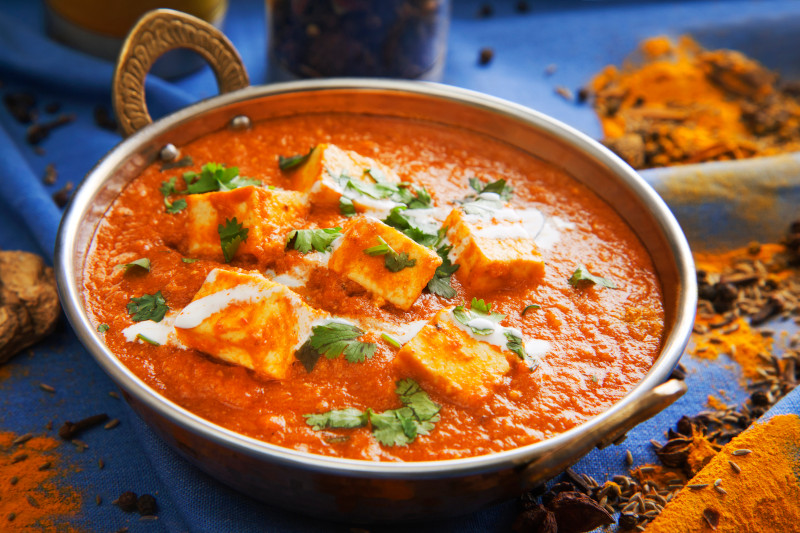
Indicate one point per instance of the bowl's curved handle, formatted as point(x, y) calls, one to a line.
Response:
point(160, 31)
point(614, 431)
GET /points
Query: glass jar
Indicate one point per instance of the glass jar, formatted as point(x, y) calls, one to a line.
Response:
point(372, 38)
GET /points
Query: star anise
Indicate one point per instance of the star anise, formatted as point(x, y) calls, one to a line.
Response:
point(675, 452)
point(566, 512)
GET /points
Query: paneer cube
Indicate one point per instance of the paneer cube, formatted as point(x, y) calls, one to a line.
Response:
point(268, 214)
point(401, 288)
point(245, 319)
point(447, 359)
point(495, 250)
point(319, 175)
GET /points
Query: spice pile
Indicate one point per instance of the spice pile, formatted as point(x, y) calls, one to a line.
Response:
point(740, 293)
point(682, 104)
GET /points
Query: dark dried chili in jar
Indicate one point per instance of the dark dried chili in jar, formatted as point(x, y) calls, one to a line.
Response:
point(371, 38)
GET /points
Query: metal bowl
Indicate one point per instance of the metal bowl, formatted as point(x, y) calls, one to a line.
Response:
point(358, 490)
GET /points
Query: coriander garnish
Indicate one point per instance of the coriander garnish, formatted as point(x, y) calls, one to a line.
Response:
point(480, 318)
point(499, 187)
point(583, 275)
point(529, 307)
point(294, 161)
point(215, 177)
point(393, 261)
point(143, 263)
point(231, 236)
point(515, 344)
point(391, 340)
point(304, 240)
point(346, 207)
point(148, 307)
point(332, 340)
point(102, 328)
point(395, 427)
point(147, 340)
point(189, 260)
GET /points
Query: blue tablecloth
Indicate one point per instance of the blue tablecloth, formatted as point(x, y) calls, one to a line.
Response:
point(577, 37)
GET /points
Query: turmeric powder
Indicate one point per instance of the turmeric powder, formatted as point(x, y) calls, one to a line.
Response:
point(758, 492)
point(31, 499)
point(681, 104)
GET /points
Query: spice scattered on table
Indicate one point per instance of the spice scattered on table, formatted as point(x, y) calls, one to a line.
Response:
point(61, 197)
point(70, 430)
point(22, 106)
point(104, 119)
point(485, 56)
point(41, 130)
point(50, 174)
point(683, 104)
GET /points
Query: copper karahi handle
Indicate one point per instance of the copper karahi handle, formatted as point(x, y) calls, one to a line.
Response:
point(614, 431)
point(156, 33)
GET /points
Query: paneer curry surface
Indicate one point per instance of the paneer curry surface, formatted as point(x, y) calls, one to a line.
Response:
point(374, 288)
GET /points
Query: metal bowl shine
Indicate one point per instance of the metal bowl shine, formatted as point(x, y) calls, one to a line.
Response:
point(357, 490)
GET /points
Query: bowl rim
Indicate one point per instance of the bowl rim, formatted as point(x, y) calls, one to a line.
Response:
point(72, 301)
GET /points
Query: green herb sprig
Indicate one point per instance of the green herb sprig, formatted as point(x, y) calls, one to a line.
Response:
point(293, 161)
point(148, 307)
point(582, 275)
point(305, 240)
point(143, 263)
point(393, 261)
point(332, 340)
point(231, 235)
point(478, 309)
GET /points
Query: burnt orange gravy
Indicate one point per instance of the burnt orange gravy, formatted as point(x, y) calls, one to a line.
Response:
point(600, 341)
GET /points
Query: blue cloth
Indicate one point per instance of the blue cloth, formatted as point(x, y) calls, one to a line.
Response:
point(578, 37)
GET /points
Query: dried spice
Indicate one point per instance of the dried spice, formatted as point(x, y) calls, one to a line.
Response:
point(104, 119)
point(390, 38)
point(127, 501)
point(40, 131)
point(61, 197)
point(682, 104)
point(146, 505)
point(50, 174)
point(71, 429)
point(565, 511)
point(21, 106)
point(485, 56)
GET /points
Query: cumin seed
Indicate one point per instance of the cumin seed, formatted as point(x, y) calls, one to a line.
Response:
point(698, 486)
point(628, 458)
point(45, 466)
point(47, 388)
point(736, 468)
point(114, 422)
point(22, 439)
point(717, 482)
point(647, 469)
point(14, 480)
point(720, 489)
point(32, 501)
point(741, 451)
point(11, 516)
point(19, 458)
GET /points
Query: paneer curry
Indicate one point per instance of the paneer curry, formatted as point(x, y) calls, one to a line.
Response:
point(374, 288)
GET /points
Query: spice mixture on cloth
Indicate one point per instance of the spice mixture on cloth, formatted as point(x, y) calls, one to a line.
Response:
point(682, 104)
point(712, 474)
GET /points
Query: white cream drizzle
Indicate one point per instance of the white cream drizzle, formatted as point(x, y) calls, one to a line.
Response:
point(197, 311)
point(161, 332)
point(534, 347)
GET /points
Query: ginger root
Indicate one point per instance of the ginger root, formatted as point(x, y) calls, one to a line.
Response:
point(29, 306)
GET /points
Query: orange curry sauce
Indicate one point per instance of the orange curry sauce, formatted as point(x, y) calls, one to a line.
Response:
point(603, 340)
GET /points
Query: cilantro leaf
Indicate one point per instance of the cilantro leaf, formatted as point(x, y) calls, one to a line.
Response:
point(428, 237)
point(168, 187)
point(148, 340)
point(499, 187)
point(388, 429)
point(294, 161)
point(304, 240)
point(215, 177)
point(140, 263)
point(175, 207)
point(334, 339)
point(440, 284)
point(189, 260)
point(583, 275)
point(346, 207)
point(531, 306)
point(516, 345)
point(337, 419)
point(412, 395)
point(231, 236)
point(393, 261)
point(102, 328)
point(148, 307)
point(475, 317)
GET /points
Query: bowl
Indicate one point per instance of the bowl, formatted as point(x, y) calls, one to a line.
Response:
point(347, 489)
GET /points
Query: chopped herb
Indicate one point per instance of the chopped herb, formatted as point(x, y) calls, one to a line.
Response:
point(294, 161)
point(168, 187)
point(338, 419)
point(583, 275)
point(395, 427)
point(215, 177)
point(531, 306)
point(141, 263)
point(334, 339)
point(594, 378)
point(393, 261)
point(231, 236)
point(499, 187)
point(147, 340)
point(189, 260)
point(391, 340)
point(304, 240)
point(148, 307)
point(479, 309)
point(180, 163)
point(516, 345)
point(428, 237)
point(346, 207)
point(440, 284)
point(175, 207)
point(102, 328)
